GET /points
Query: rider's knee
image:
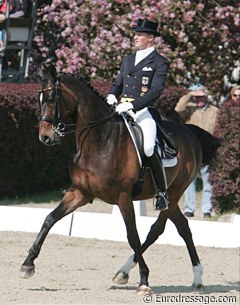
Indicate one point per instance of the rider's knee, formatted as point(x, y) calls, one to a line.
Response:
point(148, 150)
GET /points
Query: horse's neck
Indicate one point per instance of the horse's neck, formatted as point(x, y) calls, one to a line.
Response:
point(87, 104)
point(93, 115)
point(93, 122)
point(90, 110)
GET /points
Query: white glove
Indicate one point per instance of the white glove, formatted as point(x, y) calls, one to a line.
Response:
point(111, 99)
point(124, 107)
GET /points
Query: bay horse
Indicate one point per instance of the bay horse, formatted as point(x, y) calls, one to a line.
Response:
point(106, 166)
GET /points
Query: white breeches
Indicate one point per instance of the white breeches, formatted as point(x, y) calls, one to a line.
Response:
point(149, 129)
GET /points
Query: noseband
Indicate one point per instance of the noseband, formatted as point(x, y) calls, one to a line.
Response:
point(60, 127)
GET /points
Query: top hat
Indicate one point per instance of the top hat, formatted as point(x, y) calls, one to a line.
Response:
point(146, 26)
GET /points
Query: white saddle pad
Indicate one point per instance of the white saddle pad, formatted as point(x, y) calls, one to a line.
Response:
point(170, 162)
point(167, 162)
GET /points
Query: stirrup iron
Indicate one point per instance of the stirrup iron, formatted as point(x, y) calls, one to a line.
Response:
point(162, 201)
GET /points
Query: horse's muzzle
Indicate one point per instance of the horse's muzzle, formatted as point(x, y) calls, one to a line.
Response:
point(48, 140)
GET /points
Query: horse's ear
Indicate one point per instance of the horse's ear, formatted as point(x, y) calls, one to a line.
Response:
point(47, 69)
point(40, 71)
point(53, 72)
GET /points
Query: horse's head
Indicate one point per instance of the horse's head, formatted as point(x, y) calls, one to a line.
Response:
point(55, 108)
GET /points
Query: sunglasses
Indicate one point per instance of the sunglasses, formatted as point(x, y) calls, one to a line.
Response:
point(199, 97)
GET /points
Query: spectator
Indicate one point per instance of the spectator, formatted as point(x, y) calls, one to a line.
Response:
point(15, 9)
point(235, 93)
point(195, 109)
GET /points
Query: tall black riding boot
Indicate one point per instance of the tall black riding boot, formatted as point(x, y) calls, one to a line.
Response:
point(159, 176)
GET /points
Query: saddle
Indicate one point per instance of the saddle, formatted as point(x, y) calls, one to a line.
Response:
point(167, 145)
point(166, 142)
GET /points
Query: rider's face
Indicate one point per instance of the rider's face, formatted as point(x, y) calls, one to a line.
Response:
point(143, 40)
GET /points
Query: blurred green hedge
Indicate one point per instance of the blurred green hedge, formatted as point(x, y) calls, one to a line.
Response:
point(26, 165)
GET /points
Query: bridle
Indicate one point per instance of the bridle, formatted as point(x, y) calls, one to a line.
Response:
point(60, 127)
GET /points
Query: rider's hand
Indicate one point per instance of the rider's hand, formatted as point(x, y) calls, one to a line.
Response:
point(124, 107)
point(111, 99)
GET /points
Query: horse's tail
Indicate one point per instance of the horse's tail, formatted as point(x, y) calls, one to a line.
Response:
point(209, 143)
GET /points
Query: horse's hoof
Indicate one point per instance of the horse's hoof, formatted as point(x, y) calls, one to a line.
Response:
point(27, 271)
point(121, 278)
point(144, 290)
point(198, 286)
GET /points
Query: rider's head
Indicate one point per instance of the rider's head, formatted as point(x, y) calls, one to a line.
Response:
point(145, 33)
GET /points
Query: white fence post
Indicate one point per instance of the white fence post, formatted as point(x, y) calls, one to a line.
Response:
point(139, 207)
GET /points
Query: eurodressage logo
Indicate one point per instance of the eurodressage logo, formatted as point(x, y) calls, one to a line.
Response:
point(189, 299)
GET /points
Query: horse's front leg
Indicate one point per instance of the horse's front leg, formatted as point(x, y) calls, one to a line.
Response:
point(70, 202)
point(156, 230)
point(127, 211)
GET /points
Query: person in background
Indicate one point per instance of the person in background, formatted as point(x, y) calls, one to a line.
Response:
point(15, 9)
point(235, 93)
point(195, 109)
point(139, 84)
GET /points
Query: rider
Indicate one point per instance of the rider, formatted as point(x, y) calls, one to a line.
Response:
point(140, 82)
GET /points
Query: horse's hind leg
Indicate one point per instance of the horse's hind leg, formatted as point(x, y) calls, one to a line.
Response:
point(70, 202)
point(184, 231)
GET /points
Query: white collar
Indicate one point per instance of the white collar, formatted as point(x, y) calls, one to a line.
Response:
point(141, 54)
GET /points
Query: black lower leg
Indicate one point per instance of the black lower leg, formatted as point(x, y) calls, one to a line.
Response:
point(49, 221)
point(184, 231)
point(156, 230)
point(135, 243)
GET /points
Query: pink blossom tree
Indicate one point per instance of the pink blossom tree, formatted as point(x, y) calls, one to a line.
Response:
point(91, 37)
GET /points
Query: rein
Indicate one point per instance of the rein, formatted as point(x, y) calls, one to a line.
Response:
point(59, 126)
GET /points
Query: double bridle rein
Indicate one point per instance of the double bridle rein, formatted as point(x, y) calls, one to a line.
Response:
point(60, 127)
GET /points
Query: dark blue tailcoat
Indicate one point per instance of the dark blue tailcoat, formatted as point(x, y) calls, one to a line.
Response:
point(143, 82)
